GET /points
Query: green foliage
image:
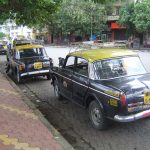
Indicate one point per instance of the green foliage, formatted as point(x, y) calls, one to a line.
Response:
point(142, 17)
point(127, 17)
point(136, 17)
point(2, 35)
point(31, 12)
point(27, 12)
point(77, 17)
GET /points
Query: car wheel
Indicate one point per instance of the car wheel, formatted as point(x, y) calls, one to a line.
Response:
point(56, 90)
point(18, 78)
point(97, 116)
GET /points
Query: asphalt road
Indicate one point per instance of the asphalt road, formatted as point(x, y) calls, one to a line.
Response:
point(73, 122)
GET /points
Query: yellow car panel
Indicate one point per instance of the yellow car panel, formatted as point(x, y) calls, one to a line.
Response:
point(99, 54)
point(28, 46)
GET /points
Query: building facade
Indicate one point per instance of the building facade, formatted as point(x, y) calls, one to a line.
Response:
point(12, 30)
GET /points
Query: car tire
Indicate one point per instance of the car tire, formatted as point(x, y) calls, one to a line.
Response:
point(56, 90)
point(18, 78)
point(96, 116)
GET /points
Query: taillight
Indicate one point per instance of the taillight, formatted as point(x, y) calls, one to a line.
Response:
point(123, 99)
point(21, 67)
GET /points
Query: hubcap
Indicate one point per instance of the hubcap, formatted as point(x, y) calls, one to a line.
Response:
point(95, 115)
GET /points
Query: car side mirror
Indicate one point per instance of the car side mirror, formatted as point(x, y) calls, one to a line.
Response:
point(61, 61)
point(51, 62)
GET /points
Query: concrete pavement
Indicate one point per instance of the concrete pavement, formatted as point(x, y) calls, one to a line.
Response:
point(20, 127)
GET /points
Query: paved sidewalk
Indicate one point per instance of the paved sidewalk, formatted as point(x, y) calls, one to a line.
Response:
point(20, 128)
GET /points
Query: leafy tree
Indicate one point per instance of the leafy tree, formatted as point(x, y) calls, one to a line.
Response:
point(78, 17)
point(136, 16)
point(31, 12)
point(127, 17)
point(27, 12)
point(2, 35)
point(142, 17)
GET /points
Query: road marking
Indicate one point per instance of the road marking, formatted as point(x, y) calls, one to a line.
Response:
point(17, 145)
point(8, 91)
point(18, 111)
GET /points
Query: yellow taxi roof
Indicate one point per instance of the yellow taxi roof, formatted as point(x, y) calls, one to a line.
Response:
point(99, 54)
point(21, 47)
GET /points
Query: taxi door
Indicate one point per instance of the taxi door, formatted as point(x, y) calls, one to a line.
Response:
point(80, 80)
point(65, 81)
point(13, 60)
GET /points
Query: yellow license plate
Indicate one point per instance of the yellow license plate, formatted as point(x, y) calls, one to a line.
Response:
point(38, 65)
point(147, 98)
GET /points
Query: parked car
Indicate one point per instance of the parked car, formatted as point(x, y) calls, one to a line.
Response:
point(112, 83)
point(28, 61)
point(3, 47)
point(18, 42)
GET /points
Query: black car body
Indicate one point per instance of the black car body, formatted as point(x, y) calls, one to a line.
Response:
point(111, 83)
point(29, 60)
point(3, 47)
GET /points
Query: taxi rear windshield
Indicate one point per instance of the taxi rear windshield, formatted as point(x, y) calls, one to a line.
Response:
point(32, 52)
point(117, 67)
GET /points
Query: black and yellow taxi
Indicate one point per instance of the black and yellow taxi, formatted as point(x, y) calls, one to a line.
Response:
point(28, 61)
point(3, 47)
point(112, 83)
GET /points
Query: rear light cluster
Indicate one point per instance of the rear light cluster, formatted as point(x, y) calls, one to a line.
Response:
point(21, 67)
point(123, 99)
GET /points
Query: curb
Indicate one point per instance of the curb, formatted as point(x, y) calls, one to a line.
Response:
point(57, 136)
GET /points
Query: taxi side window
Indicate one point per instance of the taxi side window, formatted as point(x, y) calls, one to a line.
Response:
point(82, 66)
point(70, 63)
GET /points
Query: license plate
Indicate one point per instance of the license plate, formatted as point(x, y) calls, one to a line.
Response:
point(38, 65)
point(147, 98)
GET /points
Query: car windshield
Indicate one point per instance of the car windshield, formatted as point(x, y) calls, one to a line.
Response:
point(117, 67)
point(32, 52)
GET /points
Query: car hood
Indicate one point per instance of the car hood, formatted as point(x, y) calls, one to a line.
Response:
point(132, 84)
point(32, 60)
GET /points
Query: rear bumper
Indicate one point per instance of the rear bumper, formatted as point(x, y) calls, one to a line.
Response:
point(132, 117)
point(34, 73)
